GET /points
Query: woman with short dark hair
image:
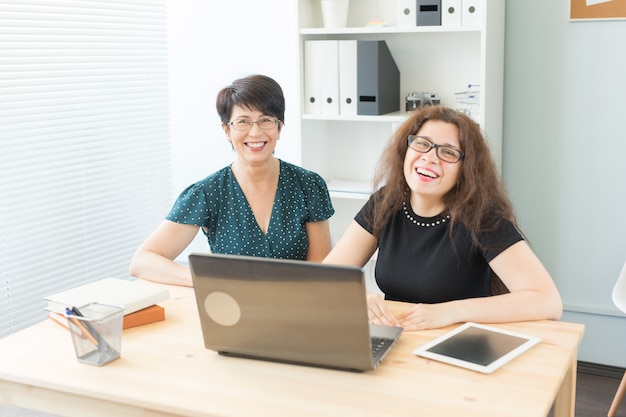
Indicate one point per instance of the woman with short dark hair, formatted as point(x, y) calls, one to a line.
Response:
point(257, 206)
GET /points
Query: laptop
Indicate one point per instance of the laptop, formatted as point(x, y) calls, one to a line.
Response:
point(287, 311)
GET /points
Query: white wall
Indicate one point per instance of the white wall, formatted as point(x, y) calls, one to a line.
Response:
point(564, 158)
point(211, 44)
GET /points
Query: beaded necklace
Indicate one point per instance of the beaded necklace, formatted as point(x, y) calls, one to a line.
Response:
point(423, 224)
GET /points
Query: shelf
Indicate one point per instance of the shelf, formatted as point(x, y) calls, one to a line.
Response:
point(349, 195)
point(388, 29)
point(439, 59)
point(359, 190)
point(395, 117)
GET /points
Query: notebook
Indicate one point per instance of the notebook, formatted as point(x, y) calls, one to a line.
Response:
point(477, 347)
point(287, 311)
point(132, 295)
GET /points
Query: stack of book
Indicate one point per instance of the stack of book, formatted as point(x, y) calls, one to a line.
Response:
point(138, 298)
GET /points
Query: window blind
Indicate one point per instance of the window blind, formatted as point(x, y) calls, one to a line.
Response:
point(84, 144)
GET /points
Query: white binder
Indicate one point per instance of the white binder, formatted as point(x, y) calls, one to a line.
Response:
point(406, 12)
point(321, 77)
point(472, 12)
point(329, 69)
point(347, 77)
point(451, 12)
point(312, 77)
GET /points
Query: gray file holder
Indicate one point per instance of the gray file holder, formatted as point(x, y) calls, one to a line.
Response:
point(378, 79)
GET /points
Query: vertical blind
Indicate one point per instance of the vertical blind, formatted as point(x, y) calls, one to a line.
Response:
point(84, 144)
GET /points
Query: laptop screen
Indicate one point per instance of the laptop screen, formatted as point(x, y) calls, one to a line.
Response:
point(285, 310)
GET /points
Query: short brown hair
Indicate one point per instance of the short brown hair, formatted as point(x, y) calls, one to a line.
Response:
point(254, 92)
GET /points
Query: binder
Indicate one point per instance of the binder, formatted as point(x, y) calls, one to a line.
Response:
point(350, 77)
point(407, 15)
point(472, 12)
point(312, 86)
point(428, 12)
point(347, 77)
point(321, 77)
point(329, 70)
point(378, 79)
point(451, 11)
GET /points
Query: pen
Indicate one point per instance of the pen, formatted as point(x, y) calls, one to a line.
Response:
point(82, 329)
point(100, 342)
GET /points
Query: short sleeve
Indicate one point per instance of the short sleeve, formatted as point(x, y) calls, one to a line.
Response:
point(497, 241)
point(200, 203)
point(190, 207)
point(308, 187)
point(364, 215)
point(319, 204)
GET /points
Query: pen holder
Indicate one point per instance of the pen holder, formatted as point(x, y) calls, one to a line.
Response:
point(96, 332)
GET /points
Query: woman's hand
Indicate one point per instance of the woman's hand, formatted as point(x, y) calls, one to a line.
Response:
point(426, 316)
point(378, 313)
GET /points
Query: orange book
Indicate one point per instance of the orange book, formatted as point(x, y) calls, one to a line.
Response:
point(138, 318)
point(144, 316)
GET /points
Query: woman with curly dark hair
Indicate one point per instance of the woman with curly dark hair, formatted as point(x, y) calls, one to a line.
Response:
point(445, 232)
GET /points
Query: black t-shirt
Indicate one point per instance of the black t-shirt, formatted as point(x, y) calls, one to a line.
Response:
point(419, 262)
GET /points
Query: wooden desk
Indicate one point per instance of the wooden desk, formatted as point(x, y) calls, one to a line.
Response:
point(166, 371)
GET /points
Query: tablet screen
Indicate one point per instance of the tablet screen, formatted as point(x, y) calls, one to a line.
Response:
point(478, 347)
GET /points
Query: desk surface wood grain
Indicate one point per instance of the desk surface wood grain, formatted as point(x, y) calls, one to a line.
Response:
point(166, 371)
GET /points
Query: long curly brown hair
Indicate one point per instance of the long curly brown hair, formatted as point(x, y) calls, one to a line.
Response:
point(478, 201)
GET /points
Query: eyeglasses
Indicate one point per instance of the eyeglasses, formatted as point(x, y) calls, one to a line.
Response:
point(265, 123)
point(444, 152)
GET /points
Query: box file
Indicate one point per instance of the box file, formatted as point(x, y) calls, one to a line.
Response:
point(347, 77)
point(312, 79)
point(451, 12)
point(321, 77)
point(350, 77)
point(378, 79)
point(472, 12)
point(330, 77)
point(428, 12)
point(406, 12)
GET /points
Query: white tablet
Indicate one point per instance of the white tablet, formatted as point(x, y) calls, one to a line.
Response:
point(477, 347)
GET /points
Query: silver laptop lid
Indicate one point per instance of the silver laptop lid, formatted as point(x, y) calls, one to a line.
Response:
point(284, 310)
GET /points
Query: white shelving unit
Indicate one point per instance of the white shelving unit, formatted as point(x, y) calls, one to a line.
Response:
point(439, 59)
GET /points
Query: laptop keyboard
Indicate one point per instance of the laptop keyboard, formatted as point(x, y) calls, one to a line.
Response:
point(380, 344)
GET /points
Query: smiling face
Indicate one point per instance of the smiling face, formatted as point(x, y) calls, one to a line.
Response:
point(255, 145)
point(428, 177)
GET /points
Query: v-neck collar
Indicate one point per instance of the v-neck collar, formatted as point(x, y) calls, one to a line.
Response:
point(249, 207)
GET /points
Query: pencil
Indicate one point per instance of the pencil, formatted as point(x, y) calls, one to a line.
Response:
point(82, 328)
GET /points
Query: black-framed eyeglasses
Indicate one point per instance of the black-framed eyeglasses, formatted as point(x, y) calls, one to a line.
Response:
point(446, 153)
point(265, 123)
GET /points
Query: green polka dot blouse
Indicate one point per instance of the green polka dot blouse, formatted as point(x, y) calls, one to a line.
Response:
point(217, 204)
